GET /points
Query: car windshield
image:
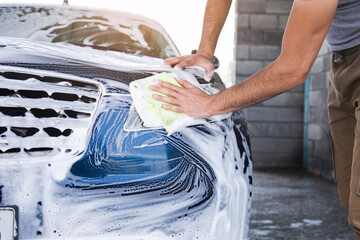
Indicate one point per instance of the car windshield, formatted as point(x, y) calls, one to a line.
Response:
point(98, 29)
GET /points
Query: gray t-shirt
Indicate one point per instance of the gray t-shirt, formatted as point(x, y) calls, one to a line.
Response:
point(344, 31)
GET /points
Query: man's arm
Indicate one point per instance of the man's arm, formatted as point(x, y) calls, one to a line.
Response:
point(216, 12)
point(305, 32)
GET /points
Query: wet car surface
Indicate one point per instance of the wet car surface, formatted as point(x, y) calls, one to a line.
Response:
point(75, 159)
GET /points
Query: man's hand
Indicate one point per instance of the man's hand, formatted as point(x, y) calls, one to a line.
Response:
point(198, 59)
point(187, 99)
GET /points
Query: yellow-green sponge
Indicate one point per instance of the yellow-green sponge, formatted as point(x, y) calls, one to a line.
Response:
point(149, 109)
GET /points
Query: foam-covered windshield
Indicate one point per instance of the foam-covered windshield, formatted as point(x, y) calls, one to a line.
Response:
point(99, 29)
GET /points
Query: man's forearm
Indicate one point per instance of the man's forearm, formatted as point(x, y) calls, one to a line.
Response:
point(215, 15)
point(271, 81)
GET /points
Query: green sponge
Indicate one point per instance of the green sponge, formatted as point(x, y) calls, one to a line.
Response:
point(149, 109)
point(166, 117)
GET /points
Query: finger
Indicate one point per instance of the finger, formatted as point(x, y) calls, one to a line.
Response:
point(169, 85)
point(185, 61)
point(209, 70)
point(183, 64)
point(165, 91)
point(184, 83)
point(173, 108)
point(172, 61)
point(161, 84)
point(209, 74)
point(165, 99)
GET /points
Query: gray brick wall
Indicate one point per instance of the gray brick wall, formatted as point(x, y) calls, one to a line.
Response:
point(276, 125)
point(319, 145)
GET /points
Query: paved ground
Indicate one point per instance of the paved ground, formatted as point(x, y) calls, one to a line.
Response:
point(293, 204)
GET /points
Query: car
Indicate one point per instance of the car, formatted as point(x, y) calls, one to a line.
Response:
point(76, 161)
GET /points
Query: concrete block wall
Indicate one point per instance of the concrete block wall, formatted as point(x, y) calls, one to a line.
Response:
point(319, 145)
point(276, 125)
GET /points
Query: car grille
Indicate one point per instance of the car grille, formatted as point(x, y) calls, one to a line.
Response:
point(44, 113)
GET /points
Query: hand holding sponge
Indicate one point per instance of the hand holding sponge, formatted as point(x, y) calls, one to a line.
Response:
point(151, 111)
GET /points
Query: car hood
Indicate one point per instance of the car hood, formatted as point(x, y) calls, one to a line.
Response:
point(16, 50)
